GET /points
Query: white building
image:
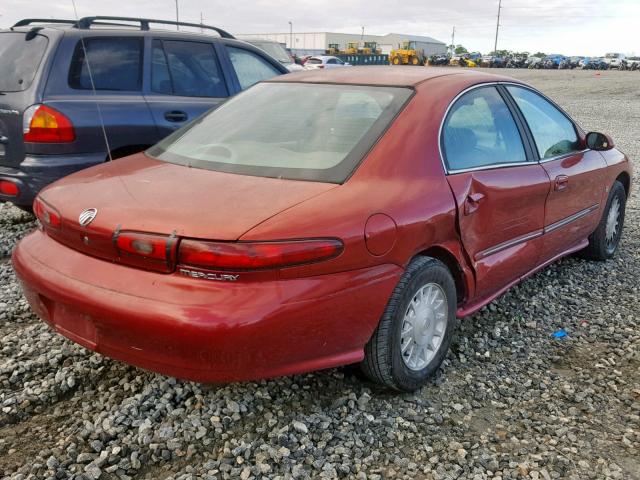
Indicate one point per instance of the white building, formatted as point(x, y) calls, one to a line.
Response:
point(315, 43)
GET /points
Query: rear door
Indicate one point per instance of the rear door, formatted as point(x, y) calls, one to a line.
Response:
point(186, 80)
point(500, 190)
point(577, 189)
point(96, 81)
point(21, 55)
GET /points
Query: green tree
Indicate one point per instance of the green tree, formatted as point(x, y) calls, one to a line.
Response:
point(460, 50)
point(540, 54)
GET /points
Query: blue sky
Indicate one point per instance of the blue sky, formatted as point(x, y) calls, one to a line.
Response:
point(571, 27)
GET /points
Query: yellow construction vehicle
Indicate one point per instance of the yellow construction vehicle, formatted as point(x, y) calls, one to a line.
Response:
point(370, 48)
point(352, 48)
point(333, 49)
point(407, 54)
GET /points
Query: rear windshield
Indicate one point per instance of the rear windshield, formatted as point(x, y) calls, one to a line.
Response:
point(20, 56)
point(288, 130)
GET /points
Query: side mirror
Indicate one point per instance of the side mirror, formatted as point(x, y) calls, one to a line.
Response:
point(599, 141)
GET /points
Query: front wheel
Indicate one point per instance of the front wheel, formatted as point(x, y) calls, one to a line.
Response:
point(603, 242)
point(416, 329)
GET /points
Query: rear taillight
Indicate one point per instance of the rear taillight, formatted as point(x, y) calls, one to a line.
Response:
point(147, 250)
point(9, 189)
point(256, 256)
point(48, 216)
point(43, 124)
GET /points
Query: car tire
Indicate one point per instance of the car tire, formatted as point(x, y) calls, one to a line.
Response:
point(387, 359)
point(603, 242)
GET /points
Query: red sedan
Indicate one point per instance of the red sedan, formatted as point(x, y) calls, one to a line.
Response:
point(329, 218)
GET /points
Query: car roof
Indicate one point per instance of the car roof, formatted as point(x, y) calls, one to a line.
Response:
point(393, 76)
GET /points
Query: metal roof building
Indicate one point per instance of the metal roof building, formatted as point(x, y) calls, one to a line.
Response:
point(314, 43)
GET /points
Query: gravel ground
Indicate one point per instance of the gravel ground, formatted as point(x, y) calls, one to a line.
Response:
point(511, 401)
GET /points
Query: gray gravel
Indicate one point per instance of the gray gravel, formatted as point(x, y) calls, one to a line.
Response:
point(510, 402)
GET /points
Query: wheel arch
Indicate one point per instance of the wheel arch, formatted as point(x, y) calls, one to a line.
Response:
point(453, 264)
point(625, 180)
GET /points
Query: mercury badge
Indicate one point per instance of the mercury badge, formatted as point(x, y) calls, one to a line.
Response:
point(87, 216)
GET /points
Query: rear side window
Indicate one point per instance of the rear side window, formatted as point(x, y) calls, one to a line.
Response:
point(552, 131)
point(189, 69)
point(114, 63)
point(20, 57)
point(250, 68)
point(480, 131)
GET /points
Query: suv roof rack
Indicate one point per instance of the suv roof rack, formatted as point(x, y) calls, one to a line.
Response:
point(86, 22)
point(30, 21)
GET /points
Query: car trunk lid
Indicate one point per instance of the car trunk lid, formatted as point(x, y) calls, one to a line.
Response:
point(145, 195)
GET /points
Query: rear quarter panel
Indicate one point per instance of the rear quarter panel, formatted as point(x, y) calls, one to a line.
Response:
point(401, 177)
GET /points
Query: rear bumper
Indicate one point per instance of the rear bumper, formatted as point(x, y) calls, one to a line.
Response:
point(203, 330)
point(37, 171)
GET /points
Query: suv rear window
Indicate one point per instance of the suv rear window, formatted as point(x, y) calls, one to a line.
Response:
point(114, 63)
point(316, 132)
point(20, 56)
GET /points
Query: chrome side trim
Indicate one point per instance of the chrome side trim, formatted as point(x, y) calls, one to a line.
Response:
point(494, 166)
point(508, 244)
point(566, 155)
point(538, 233)
point(572, 218)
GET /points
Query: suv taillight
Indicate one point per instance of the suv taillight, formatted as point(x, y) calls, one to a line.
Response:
point(256, 256)
point(43, 124)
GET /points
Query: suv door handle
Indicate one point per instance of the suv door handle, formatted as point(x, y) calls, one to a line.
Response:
point(562, 182)
point(175, 116)
point(472, 202)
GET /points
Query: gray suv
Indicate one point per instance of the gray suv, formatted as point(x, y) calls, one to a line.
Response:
point(61, 81)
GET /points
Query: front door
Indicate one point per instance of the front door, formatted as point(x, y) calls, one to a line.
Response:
point(574, 204)
point(500, 190)
point(186, 81)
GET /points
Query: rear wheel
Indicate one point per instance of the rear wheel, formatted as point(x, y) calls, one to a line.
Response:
point(396, 60)
point(415, 61)
point(603, 242)
point(415, 331)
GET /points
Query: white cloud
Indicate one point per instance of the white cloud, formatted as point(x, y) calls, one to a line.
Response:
point(559, 26)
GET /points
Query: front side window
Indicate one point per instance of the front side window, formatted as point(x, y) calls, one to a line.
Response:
point(193, 69)
point(480, 131)
point(296, 131)
point(114, 63)
point(250, 68)
point(552, 131)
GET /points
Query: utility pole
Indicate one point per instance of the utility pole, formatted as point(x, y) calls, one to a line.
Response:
point(177, 16)
point(362, 36)
point(290, 34)
point(201, 23)
point(453, 41)
point(495, 46)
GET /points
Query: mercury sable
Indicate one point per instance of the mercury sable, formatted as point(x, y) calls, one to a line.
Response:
point(330, 218)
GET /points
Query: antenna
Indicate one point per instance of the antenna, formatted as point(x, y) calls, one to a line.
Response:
point(93, 85)
point(495, 46)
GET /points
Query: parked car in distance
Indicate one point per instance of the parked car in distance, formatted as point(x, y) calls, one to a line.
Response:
point(274, 237)
point(593, 63)
point(533, 62)
point(492, 61)
point(324, 61)
point(147, 82)
point(614, 60)
point(277, 51)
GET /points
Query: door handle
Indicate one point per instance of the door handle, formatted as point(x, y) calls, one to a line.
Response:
point(175, 116)
point(562, 182)
point(472, 202)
